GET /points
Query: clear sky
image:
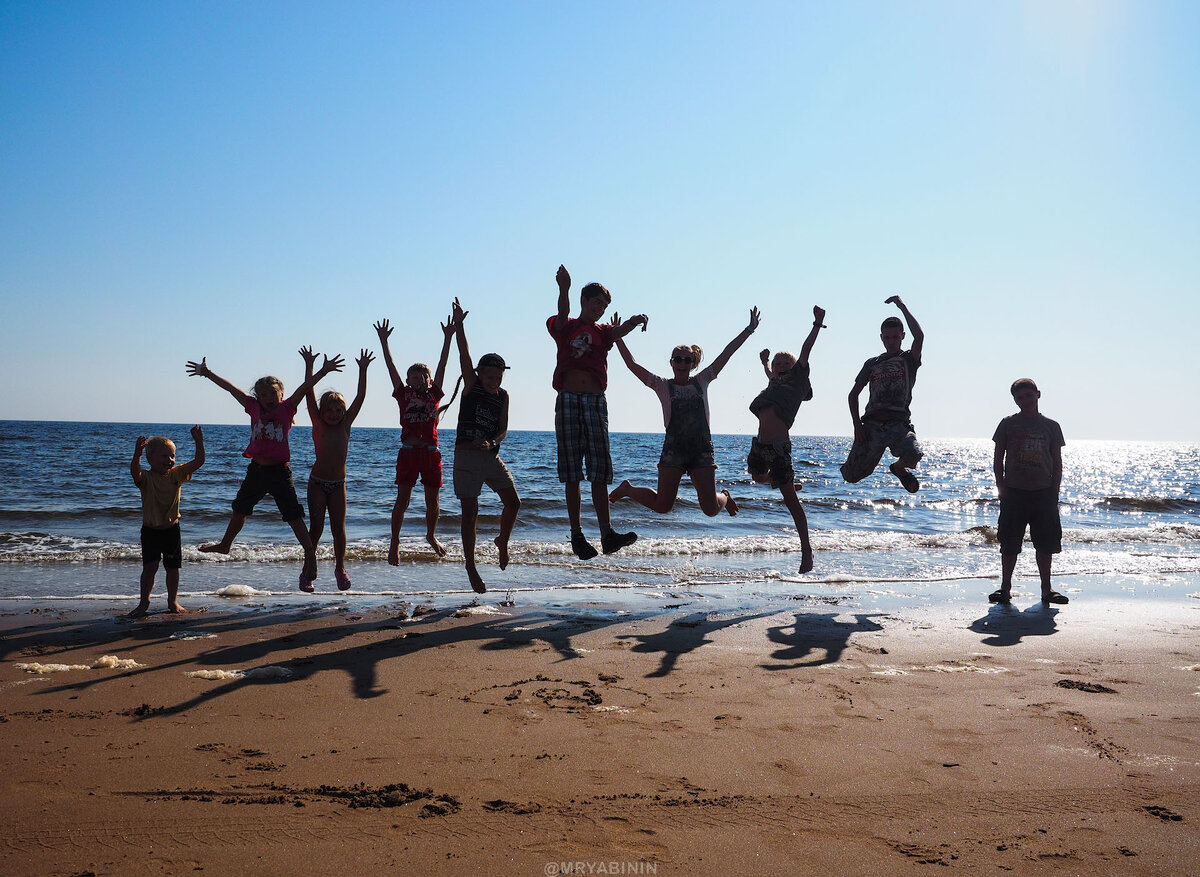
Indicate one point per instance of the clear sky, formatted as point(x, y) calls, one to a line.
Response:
point(234, 180)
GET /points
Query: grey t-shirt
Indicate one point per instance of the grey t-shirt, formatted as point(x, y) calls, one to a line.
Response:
point(1029, 443)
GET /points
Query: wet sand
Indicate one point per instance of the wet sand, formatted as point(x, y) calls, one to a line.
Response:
point(541, 740)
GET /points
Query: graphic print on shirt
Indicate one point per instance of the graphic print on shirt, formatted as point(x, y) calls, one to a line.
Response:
point(581, 345)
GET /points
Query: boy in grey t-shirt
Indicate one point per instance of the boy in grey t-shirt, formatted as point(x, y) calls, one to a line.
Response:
point(1028, 469)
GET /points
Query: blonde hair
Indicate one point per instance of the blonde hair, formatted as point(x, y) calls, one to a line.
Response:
point(268, 381)
point(784, 356)
point(420, 367)
point(693, 349)
point(328, 396)
point(159, 441)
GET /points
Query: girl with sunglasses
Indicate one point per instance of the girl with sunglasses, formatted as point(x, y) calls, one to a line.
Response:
point(687, 446)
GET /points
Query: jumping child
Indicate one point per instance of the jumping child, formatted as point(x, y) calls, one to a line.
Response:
point(687, 446)
point(271, 418)
point(331, 422)
point(581, 410)
point(482, 426)
point(418, 456)
point(160, 487)
point(770, 458)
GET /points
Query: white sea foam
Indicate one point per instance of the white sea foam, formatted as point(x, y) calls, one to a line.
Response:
point(482, 609)
point(241, 591)
point(104, 662)
point(270, 672)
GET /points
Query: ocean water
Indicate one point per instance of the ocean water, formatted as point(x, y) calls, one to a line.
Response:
point(70, 518)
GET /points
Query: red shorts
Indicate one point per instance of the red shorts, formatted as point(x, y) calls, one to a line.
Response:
point(423, 462)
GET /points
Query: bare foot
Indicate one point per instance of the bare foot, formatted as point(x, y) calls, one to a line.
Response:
point(621, 491)
point(139, 611)
point(730, 505)
point(806, 561)
point(477, 584)
point(177, 609)
point(215, 548)
point(310, 566)
point(502, 547)
point(394, 552)
point(438, 548)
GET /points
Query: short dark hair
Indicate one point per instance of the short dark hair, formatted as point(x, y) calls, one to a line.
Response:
point(594, 289)
point(1021, 383)
point(891, 323)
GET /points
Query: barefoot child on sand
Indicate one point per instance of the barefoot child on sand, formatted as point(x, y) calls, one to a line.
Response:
point(1028, 469)
point(418, 457)
point(687, 446)
point(885, 423)
point(770, 458)
point(482, 426)
point(160, 512)
point(271, 418)
point(581, 410)
point(331, 422)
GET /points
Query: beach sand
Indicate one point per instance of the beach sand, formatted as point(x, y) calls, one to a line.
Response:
point(541, 740)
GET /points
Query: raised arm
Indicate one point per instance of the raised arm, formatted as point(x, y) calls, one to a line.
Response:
point(765, 356)
point(201, 370)
point(732, 346)
point(384, 330)
point(311, 397)
point(197, 458)
point(135, 465)
point(327, 366)
point(564, 297)
point(642, 374)
point(458, 315)
point(914, 328)
point(623, 329)
point(817, 326)
point(439, 376)
point(365, 359)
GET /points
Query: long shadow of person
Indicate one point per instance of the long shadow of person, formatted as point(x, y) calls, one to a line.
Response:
point(1005, 625)
point(681, 636)
point(816, 631)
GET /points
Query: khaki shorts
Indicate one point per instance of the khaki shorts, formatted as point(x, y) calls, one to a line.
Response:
point(474, 468)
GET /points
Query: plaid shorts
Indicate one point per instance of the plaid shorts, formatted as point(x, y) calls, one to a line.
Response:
point(581, 428)
point(896, 436)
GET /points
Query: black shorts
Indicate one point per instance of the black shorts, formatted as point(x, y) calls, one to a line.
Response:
point(166, 545)
point(773, 458)
point(275, 480)
point(1036, 509)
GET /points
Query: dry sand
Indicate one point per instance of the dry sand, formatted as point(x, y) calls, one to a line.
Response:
point(811, 740)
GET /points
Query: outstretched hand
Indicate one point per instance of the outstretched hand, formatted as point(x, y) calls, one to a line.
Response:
point(754, 317)
point(365, 358)
point(458, 314)
point(819, 316)
point(384, 329)
point(332, 365)
point(140, 444)
point(198, 369)
point(309, 356)
point(563, 278)
point(449, 326)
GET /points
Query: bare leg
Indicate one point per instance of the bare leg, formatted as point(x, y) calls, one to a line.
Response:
point(705, 482)
point(1008, 563)
point(146, 585)
point(661, 500)
point(403, 495)
point(1044, 559)
point(573, 503)
point(336, 504)
point(236, 522)
point(433, 510)
point(470, 517)
point(310, 556)
point(508, 520)
point(173, 592)
point(316, 514)
point(600, 504)
point(801, 520)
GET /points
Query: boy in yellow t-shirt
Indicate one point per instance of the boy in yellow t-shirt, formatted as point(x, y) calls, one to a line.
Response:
point(160, 512)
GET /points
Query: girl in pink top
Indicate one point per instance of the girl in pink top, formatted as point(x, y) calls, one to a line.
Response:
point(271, 419)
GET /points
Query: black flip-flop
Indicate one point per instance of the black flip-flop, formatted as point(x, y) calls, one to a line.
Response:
point(1000, 597)
point(1055, 597)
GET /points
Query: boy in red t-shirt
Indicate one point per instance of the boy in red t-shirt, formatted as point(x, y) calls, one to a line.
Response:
point(581, 411)
point(418, 457)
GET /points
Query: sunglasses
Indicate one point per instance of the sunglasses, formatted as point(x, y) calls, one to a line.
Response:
point(683, 360)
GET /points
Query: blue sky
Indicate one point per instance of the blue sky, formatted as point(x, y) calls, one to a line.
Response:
point(235, 180)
